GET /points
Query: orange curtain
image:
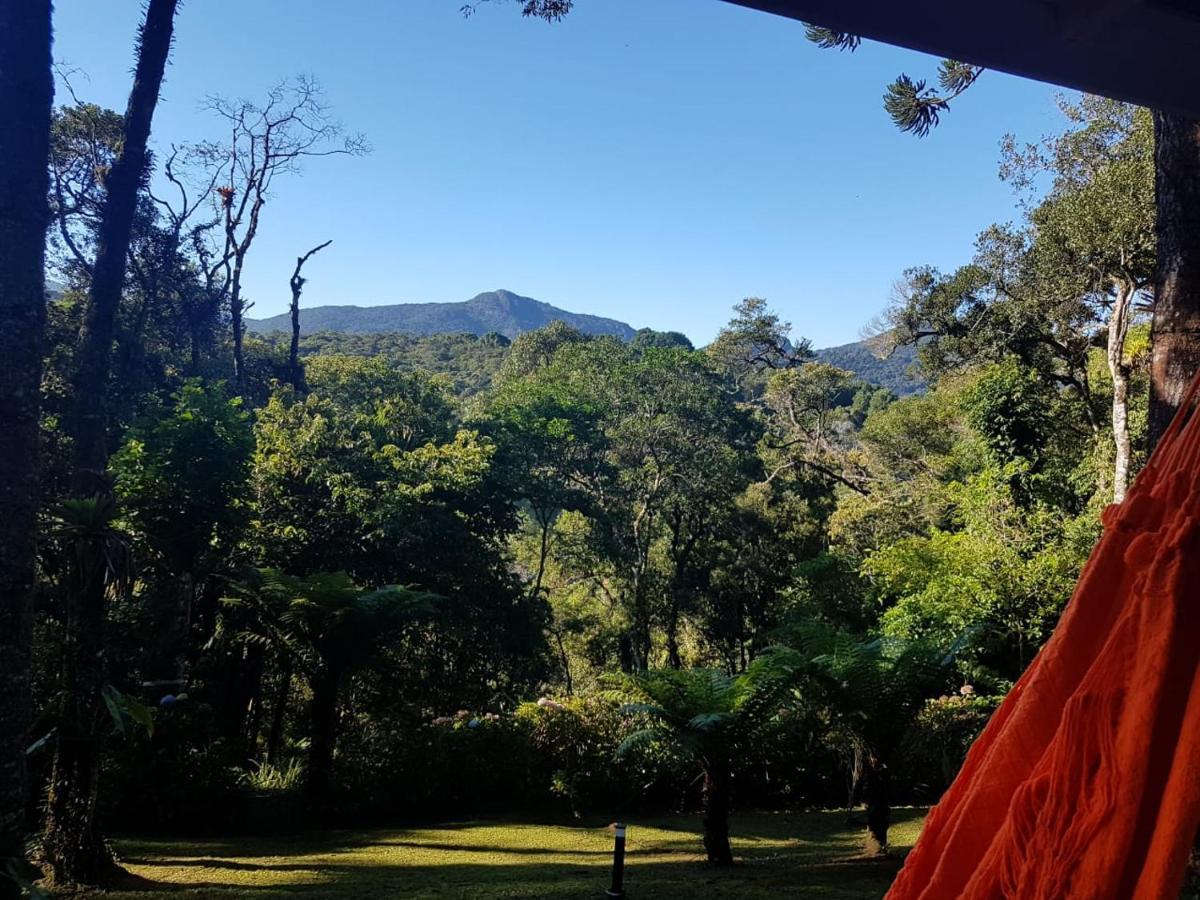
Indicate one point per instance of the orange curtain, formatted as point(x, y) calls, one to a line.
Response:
point(1086, 781)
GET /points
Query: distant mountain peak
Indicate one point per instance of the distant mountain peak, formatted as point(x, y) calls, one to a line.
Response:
point(500, 310)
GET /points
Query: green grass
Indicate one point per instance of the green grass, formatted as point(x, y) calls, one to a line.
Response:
point(803, 855)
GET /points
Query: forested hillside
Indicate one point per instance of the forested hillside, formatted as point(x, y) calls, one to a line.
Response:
point(898, 371)
point(470, 361)
point(503, 312)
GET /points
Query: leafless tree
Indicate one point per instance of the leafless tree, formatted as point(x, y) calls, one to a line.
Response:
point(297, 285)
point(266, 140)
point(185, 203)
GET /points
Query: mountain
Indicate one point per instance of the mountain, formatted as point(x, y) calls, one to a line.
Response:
point(500, 311)
point(892, 372)
point(511, 314)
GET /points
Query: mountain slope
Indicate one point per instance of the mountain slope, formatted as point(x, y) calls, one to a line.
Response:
point(892, 372)
point(500, 311)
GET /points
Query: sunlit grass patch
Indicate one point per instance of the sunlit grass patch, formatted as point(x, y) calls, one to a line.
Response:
point(814, 855)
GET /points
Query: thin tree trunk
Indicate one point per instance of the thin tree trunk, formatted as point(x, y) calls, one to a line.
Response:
point(279, 712)
point(235, 321)
point(246, 708)
point(674, 658)
point(545, 522)
point(716, 813)
point(1118, 330)
point(640, 640)
point(26, 95)
point(296, 282)
point(167, 665)
point(854, 777)
point(1175, 352)
point(74, 851)
point(565, 660)
point(324, 732)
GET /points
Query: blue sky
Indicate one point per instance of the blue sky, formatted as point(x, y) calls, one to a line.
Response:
point(650, 160)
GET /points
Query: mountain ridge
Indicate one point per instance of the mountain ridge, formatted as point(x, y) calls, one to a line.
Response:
point(500, 311)
point(510, 314)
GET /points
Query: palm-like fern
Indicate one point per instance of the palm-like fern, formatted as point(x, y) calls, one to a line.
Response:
point(707, 714)
point(329, 627)
point(872, 692)
point(84, 531)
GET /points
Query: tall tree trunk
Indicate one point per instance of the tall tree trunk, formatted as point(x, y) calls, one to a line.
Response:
point(565, 659)
point(1118, 330)
point(640, 640)
point(166, 665)
point(545, 520)
point(717, 784)
point(90, 422)
point(26, 95)
point(854, 778)
point(279, 711)
point(296, 283)
point(236, 321)
point(1176, 332)
point(674, 657)
point(295, 370)
point(74, 851)
point(324, 732)
point(876, 794)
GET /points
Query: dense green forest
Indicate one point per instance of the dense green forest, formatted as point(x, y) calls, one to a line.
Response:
point(366, 576)
point(472, 361)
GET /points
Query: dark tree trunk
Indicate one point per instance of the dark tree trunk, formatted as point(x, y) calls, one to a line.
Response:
point(640, 640)
point(296, 283)
point(674, 657)
point(248, 701)
point(26, 95)
point(237, 309)
point(565, 659)
point(877, 797)
point(324, 732)
point(295, 371)
point(717, 784)
point(279, 712)
point(1176, 332)
point(74, 851)
point(108, 273)
point(168, 658)
point(237, 686)
point(854, 778)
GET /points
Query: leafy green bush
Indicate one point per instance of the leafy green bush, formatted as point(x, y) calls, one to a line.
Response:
point(940, 737)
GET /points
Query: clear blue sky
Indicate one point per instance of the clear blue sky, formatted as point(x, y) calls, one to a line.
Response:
point(650, 160)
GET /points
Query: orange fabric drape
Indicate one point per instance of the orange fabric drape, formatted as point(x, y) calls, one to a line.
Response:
point(1086, 781)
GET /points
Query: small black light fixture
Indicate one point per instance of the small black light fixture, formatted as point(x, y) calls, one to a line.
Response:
point(617, 890)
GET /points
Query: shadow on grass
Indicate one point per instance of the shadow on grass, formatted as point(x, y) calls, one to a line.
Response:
point(803, 855)
point(682, 880)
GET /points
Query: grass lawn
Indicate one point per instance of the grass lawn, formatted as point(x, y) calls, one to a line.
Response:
point(785, 854)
